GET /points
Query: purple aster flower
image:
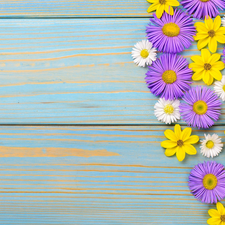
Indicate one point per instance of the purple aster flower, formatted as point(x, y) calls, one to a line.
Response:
point(169, 76)
point(202, 8)
point(171, 34)
point(207, 182)
point(201, 108)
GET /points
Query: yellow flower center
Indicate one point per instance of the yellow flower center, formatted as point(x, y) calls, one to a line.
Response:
point(209, 144)
point(204, 0)
point(209, 181)
point(144, 53)
point(180, 143)
point(162, 2)
point(171, 29)
point(222, 218)
point(211, 33)
point(168, 109)
point(200, 107)
point(224, 87)
point(169, 76)
point(207, 66)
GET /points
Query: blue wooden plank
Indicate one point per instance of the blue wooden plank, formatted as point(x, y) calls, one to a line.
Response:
point(137, 184)
point(74, 71)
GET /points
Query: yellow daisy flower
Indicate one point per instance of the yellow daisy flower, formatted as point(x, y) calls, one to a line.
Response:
point(162, 5)
point(217, 216)
point(206, 66)
point(209, 33)
point(180, 142)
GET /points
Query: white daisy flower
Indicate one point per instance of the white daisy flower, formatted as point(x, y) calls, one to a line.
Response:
point(219, 88)
point(143, 53)
point(211, 146)
point(167, 111)
point(223, 21)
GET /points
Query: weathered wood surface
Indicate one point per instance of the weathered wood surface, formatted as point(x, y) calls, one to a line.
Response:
point(74, 71)
point(73, 8)
point(96, 175)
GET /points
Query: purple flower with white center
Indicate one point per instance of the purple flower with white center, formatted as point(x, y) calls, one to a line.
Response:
point(207, 182)
point(202, 8)
point(201, 108)
point(171, 34)
point(169, 76)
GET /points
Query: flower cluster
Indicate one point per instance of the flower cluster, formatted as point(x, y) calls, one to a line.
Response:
point(170, 77)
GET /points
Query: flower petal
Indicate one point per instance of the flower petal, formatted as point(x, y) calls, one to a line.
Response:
point(209, 23)
point(205, 55)
point(170, 151)
point(160, 10)
point(214, 58)
point(218, 65)
point(169, 9)
point(192, 139)
point(201, 27)
point(152, 7)
point(215, 73)
point(214, 213)
point(202, 43)
point(177, 131)
point(220, 208)
point(168, 144)
point(189, 149)
point(220, 38)
point(170, 135)
point(173, 2)
point(198, 59)
point(213, 221)
point(213, 44)
point(180, 154)
point(217, 23)
point(186, 133)
point(198, 75)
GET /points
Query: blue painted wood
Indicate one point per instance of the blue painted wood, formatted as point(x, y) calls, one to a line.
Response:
point(137, 184)
point(74, 71)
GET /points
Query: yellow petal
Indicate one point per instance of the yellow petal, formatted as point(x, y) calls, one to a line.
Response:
point(205, 55)
point(177, 131)
point(186, 133)
point(153, 1)
point(200, 36)
point(173, 2)
point(214, 213)
point(201, 27)
point(215, 73)
point(170, 135)
point(202, 43)
point(220, 38)
point(170, 151)
point(169, 9)
point(198, 75)
point(213, 221)
point(214, 58)
point(218, 65)
point(153, 7)
point(168, 144)
point(213, 44)
point(189, 149)
point(197, 59)
point(221, 30)
point(160, 10)
point(210, 80)
point(180, 154)
point(195, 67)
point(192, 139)
point(209, 23)
point(217, 23)
point(206, 77)
point(220, 208)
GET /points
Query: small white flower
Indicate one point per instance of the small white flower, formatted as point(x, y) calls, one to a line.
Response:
point(167, 111)
point(223, 21)
point(143, 53)
point(219, 88)
point(211, 146)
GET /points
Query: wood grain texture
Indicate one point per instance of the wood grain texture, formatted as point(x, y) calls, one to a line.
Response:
point(74, 72)
point(136, 185)
point(73, 8)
